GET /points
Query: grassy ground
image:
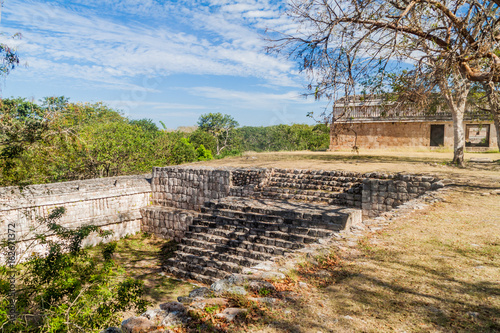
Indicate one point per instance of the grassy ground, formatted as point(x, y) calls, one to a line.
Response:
point(437, 270)
point(140, 256)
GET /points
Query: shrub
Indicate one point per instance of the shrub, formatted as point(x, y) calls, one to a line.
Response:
point(68, 290)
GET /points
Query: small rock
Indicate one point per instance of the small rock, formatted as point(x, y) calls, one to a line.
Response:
point(174, 319)
point(230, 313)
point(238, 290)
point(303, 285)
point(137, 325)
point(154, 315)
point(200, 292)
point(173, 307)
point(273, 276)
point(485, 194)
point(265, 266)
point(112, 330)
point(348, 318)
point(256, 286)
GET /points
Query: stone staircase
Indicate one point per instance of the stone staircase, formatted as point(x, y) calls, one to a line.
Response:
point(328, 187)
point(232, 233)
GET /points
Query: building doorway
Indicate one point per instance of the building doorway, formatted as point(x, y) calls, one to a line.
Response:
point(477, 135)
point(437, 135)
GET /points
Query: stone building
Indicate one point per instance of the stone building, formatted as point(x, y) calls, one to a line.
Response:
point(366, 123)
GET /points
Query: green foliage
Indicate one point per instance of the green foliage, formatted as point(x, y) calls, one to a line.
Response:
point(183, 152)
point(206, 139)
point(58, 141)
point(203, 154)
point(147, 125)
point(66, 289)
point(284, 137)
point(221, 127)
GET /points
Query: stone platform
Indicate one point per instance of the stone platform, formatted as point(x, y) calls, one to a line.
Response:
point(232, 233)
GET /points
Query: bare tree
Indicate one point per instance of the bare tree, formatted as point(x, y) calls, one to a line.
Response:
point(445, 44)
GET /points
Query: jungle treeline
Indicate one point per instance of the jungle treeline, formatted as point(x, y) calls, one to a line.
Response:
point(56, 140)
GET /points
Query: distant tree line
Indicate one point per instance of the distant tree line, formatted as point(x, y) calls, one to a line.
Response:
point(57, 140)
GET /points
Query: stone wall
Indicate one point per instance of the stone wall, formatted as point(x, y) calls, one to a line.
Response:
point(383, 134)
point(188, 187)
point(382, 193)
point(113, 203)
point(165, 222)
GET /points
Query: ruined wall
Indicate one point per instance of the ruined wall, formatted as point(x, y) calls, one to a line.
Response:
point(383, 192)
point(113, 203)
point(373, 135)
point(187, 187)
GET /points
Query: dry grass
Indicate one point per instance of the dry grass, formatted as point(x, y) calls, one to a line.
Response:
point(410, 161)
point(140, 256)
point(437, 270)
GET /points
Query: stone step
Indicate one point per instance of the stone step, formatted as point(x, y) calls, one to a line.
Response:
point(316, 187)
point(243, 248)
point(279, 208)
point(220, 252)
point(261, 236)
point(298, 227)
point(191, 275)
point(271, 215)
point(209, 263)
point(329, 176)
point(295, 191)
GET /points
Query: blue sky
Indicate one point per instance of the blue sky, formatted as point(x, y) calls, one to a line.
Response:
point(165, 60)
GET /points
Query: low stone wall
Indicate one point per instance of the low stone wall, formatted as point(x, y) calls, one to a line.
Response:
point(113, 203)
point(165, 222)
point(188, 187)
point(384, 192)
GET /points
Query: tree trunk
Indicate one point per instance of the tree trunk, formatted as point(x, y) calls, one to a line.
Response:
point(459, 137)
point(494, 102)
point(456, 101)
point(496, 118)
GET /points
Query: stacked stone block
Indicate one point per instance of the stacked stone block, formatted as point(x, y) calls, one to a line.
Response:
point(113, 203)
point(232, 233)
point(382, 193)
point(188, 187)
point(167, 223)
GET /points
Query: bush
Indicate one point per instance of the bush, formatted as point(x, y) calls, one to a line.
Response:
point(203, 154)
point(67, 290)
point(183, 152)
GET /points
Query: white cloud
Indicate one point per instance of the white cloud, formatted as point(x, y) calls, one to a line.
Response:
point(78, 43)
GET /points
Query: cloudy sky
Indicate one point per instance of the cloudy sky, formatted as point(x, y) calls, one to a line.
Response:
point(164, 60)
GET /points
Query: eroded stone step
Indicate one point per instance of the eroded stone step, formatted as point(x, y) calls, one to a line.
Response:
point(297, 227)
point(221, 252)
point(252, 234)
point(187, 275)
point(220, 244)
point(219, 261)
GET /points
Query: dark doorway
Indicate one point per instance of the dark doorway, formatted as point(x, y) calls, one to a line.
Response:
point(437, 135)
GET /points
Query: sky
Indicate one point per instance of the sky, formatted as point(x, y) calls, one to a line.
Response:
point(169, 61)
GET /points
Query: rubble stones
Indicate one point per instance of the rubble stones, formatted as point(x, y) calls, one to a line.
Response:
point(137, 325)
point(230, 313)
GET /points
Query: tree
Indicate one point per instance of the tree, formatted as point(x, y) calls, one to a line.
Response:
point(220, 126)
point(9, 56)
point(67, 289)
point(342, 43)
